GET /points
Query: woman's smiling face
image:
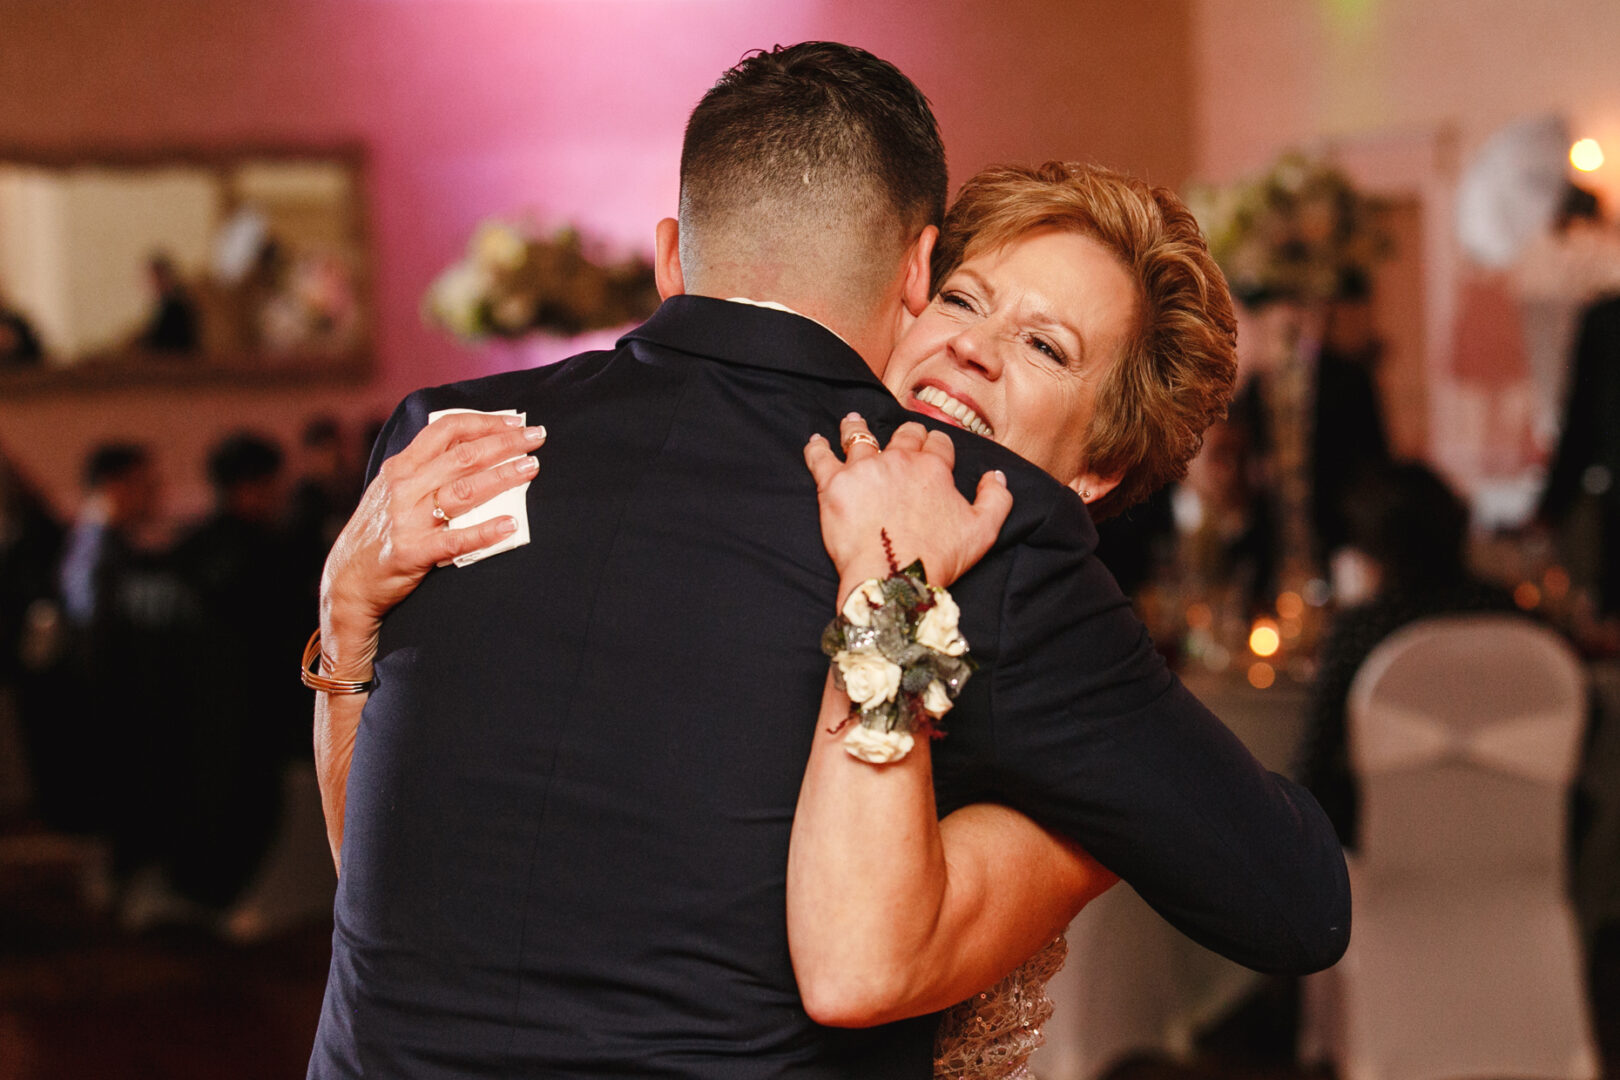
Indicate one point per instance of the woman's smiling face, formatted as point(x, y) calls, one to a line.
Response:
point(1015, 344)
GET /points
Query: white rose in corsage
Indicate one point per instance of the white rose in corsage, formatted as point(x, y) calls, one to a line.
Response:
point(937, 630)
point(878, 747)
point(869, 678)
point(897, 652)
point(866, 596)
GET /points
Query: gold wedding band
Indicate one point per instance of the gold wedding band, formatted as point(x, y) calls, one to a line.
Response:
point(862, 437)
point(438, 511)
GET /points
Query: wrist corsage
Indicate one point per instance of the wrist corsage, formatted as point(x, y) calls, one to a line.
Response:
point(897, 652)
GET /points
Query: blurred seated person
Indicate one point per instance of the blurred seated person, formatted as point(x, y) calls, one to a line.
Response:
point(1409, 529)
point(1225, 521)
point(19, 344)
point(172, 326)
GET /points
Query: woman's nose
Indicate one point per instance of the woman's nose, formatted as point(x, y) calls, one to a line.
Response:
point(976, 347)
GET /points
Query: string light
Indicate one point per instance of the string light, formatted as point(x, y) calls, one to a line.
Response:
point(1586, 155)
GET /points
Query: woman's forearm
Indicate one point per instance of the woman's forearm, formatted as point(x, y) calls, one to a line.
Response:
point(892, 913)
point(866, 874)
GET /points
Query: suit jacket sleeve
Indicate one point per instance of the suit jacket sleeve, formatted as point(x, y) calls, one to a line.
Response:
point(1096, 739)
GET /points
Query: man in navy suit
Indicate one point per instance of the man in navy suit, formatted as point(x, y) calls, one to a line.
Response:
point(568, 805)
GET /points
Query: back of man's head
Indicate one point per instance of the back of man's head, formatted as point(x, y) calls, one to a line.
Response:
point(814, 165)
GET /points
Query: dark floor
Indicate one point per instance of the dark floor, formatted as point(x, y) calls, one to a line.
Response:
point(82, 1000)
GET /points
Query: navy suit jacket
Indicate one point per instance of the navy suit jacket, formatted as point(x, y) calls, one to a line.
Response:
point(569, 807)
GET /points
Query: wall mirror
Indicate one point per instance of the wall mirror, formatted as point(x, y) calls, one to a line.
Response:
point(220, 265)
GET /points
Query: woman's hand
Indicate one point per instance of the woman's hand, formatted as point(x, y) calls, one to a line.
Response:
point(907, 491)
point(394, 538)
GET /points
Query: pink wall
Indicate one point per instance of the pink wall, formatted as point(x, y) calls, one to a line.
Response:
point(570, 109)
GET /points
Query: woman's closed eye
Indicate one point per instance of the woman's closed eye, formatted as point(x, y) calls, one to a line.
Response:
point(1045, 347)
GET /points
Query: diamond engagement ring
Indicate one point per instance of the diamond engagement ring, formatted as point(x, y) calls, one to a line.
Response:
point(438, 511)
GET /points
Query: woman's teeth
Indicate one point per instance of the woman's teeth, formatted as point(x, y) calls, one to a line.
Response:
point(939, 399)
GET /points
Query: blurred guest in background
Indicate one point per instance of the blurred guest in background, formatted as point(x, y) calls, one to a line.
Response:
point(30, 544)
point(328, 489)
point(1586, 467)
point(19, 344)
point(1346, 436)
point(1226, 523)
point(172, 327)
point(245, 717)
point(123, 609)
point(1411, 528)
point(1560, 273)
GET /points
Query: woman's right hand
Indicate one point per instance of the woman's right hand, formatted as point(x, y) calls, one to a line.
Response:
point(907, 491)
point(394, 538)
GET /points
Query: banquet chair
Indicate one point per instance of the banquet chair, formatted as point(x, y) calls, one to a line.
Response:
point(1464, 959)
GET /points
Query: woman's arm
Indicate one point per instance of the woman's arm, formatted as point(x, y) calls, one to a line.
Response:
point(894, 913)
point(891, 912)
point(387, 547)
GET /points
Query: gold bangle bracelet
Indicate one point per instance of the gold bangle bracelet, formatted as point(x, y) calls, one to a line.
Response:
point(310, 673)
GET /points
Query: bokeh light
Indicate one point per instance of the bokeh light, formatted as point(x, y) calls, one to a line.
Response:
point(1264, 639)
point(1290, 605)
point(1526, 595)
point(1586, 155)
point(1261, 675)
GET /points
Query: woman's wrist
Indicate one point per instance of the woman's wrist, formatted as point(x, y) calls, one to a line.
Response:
point(348, 643)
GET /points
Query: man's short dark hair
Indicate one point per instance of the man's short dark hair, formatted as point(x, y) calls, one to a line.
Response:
point(818, 156)
point(113, 461)
point(242, 458)
point(815, 111)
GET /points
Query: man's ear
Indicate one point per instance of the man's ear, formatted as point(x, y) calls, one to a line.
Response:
point(917, 287)
point(1091, 487)
point(667, 259)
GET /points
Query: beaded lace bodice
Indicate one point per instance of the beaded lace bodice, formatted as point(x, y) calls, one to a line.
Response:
point(990, 1035)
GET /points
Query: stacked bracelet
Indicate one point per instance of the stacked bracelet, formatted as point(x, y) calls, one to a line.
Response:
point(897, 652)
point(310, 673)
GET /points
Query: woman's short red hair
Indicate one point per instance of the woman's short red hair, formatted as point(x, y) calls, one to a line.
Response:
point(1175, 375)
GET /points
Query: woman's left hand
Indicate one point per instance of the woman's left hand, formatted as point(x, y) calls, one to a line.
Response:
point(907, 491)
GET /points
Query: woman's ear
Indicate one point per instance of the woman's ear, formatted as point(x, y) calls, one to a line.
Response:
point(1091, 487)
point(667, 259)
point(919, 261)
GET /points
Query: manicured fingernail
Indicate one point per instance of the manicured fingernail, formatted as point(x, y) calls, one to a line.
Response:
point(536, 434)
point(506, 526)
point(818, 437)
point(512, 421)
point(527, 464)
point(1000, 476)
point(852, 416)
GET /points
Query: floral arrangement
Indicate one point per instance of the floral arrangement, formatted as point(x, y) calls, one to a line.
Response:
point(514, 281)
point(898, 653)
point(1293, 233)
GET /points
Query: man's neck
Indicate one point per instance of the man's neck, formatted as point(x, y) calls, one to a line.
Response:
point(869, 341)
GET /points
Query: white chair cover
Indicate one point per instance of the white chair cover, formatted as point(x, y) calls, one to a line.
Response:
point(1463, 958)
